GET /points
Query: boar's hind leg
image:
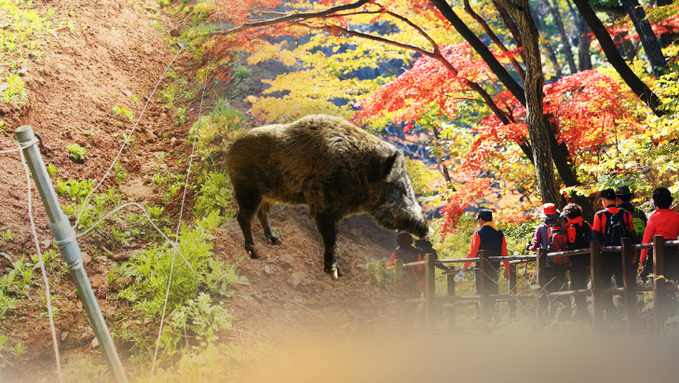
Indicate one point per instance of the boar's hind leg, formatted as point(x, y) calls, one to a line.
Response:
point(262, 215)
point(248, 203)
point(328, 225)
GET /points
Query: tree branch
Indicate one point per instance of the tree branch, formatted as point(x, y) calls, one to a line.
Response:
point(294, 17)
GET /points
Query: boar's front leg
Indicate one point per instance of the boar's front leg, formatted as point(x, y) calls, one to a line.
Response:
point(328, 225)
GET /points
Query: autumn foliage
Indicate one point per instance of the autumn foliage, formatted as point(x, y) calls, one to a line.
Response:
point(447, 98)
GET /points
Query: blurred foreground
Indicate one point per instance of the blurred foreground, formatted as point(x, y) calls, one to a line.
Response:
point(399, 357)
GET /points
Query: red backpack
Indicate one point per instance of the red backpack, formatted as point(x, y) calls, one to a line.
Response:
point(557, 241)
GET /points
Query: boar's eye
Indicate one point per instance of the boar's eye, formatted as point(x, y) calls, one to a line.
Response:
point(400, 187)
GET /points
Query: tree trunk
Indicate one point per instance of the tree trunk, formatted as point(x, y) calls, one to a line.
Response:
point(437, 152)
point(552, 57)
point(584, 57)
point(610, 50)
point(565, 41)
point(537, 129)
point(665, 38)
point(648, 40)
point(493, 36)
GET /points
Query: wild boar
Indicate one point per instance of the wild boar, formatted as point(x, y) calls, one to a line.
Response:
point(329, 164)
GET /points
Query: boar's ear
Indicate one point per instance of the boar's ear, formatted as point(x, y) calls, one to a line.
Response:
point(381, 166)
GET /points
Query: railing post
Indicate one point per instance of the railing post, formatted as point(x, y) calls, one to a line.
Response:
point(512, 289)
point(659, 284)
point(450, 279)
point(429, 290)
point(64, 238)
point(484, 286)
point(597, 299)
point(398, 271)
point(629, 283)
point(542, 296)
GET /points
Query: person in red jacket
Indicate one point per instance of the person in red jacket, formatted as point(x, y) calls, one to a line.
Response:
point(610, 225)
point(487, 237)
point(664, 221)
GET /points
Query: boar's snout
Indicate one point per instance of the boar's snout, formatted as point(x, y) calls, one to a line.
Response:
point(422, 229)
point(393, 218)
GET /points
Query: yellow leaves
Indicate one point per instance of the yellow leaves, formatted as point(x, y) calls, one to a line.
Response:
point(267, 51)
point(287, 109)
point(308, 91)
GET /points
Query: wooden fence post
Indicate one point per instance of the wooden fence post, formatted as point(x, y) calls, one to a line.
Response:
point(629, 283)
point(429, 290)
point(512, 290)
point(542, 296)
point(398, 271)
point(659, 298)
point(597, 299)
point(484, 286)
point(451, 300)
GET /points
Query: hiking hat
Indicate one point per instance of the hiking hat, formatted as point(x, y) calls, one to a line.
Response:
point(549, 211)
point(485, 215)
point(621, 191)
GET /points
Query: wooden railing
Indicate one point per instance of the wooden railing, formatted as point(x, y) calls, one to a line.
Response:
point(434, 305)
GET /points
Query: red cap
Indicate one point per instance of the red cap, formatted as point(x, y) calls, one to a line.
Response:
point(549, 209)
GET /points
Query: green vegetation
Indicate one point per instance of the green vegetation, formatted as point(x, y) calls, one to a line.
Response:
point(18, 279)
point(15, 93)
point(218, 128)
point(21, 40)
point(76, 153)
point(7, 236)
point(197, 279)
point(123, 111)
point(215, 195)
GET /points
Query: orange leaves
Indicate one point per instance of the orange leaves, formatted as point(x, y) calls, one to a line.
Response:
point(238, 11)
point(428, 82)
point(588, 107)
point(467, 191)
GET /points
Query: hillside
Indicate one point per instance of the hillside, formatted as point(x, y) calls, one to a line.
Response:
point(99, 64)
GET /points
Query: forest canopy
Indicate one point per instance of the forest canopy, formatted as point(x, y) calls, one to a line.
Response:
point(547, 100)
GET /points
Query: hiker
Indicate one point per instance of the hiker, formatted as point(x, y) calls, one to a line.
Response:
point(551, 235)
point(579, 234)
point(425, 247)
point(623, 199)
point(610, 226)
point(487, 237)
point(413, 278)
point(664, 221)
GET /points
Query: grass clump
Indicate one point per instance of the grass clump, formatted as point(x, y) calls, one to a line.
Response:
point(215, 194)
point(76, 153)
point(195, 318)
point(197, 271)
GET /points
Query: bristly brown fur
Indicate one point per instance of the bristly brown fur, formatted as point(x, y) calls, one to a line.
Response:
point(327, 163)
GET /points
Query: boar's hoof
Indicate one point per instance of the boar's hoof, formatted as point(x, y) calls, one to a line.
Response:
point(334, 271)
point(252, 252)
point(275, 240)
